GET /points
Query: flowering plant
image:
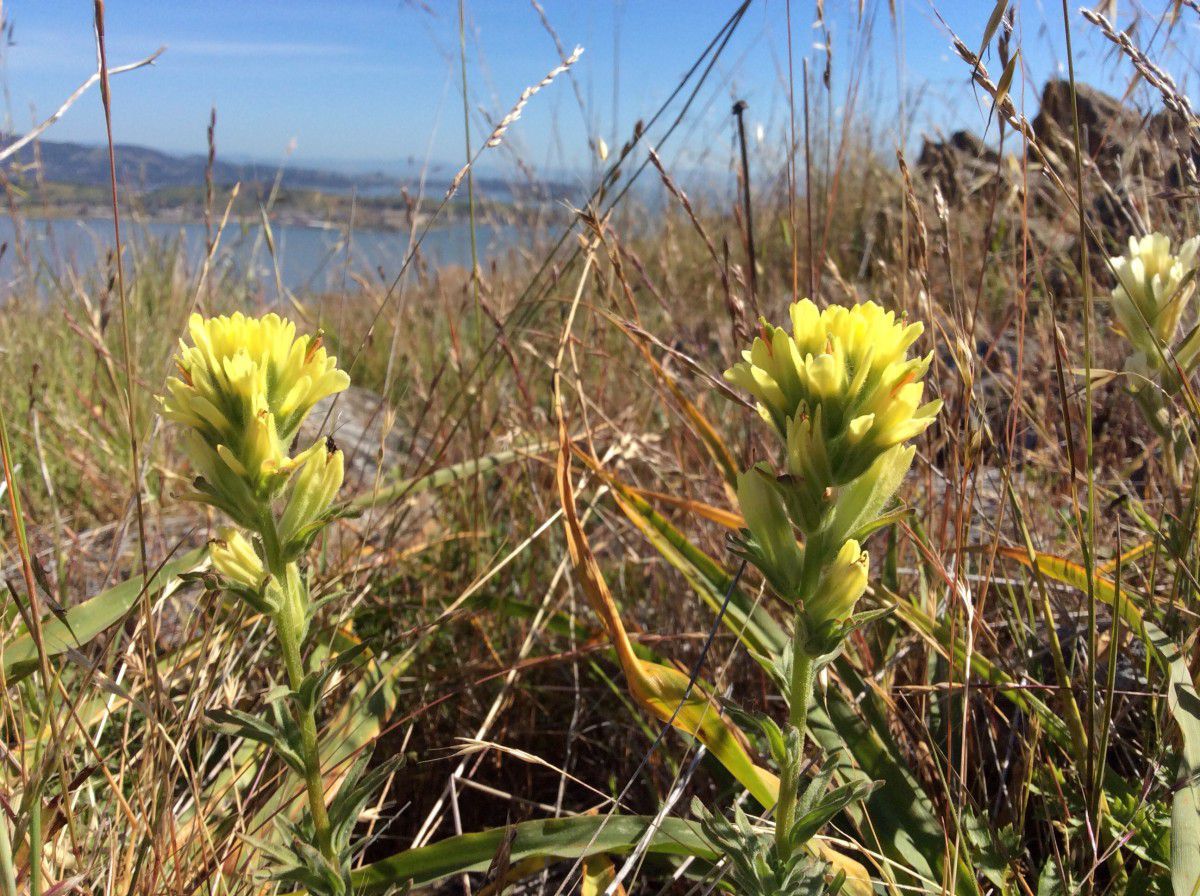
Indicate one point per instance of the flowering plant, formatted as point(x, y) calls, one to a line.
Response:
point(1154, 288)
point(244, 387)
point(844, 399)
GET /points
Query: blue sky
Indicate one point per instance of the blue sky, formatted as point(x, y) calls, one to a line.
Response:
point(375, 82)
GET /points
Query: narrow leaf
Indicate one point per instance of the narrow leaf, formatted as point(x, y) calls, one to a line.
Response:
point(85, 621)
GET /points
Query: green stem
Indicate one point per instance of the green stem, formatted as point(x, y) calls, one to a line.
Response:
point(801, 687)
point(309, 752)
point(289, 625)
point(799, 694)
point(36, 884)
point(8, 873)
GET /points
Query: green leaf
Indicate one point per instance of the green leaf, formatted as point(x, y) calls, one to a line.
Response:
point(260, 730)
point(308, 695)
point(91, 617)
point(807, 825)
point(549, 839)
point(1185, 808)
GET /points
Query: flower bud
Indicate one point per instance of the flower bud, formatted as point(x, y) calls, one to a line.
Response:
point(312, 493)
point(234, 558)
point(842, 583)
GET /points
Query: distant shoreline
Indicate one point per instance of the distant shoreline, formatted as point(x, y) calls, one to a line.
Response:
point(288, 207)
point(188, 215)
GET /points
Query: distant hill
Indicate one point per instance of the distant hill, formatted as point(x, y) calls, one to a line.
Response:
point(139, 167)
point(144, 169)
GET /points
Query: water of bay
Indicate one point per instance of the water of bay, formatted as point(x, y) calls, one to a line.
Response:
point(43, 252)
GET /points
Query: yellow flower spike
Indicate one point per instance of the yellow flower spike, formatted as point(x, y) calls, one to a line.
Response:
point(849, 369)
point(842, 583)
point(1154, 288)
point(844, 396)
point(234, 558)
point(245, 384)
point(237, 358)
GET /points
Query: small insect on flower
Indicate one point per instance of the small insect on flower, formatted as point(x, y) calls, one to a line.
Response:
point(313, 492)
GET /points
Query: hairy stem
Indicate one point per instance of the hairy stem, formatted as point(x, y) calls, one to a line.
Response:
point(289, 622)
point(309, 752)
point(799, 693)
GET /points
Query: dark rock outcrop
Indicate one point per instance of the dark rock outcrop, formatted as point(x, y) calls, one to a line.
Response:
point(1136, 165)
point(960, 166)
point(1111, 134)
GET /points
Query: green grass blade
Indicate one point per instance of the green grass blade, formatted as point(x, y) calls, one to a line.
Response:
point(750, 621)
point(556, 838)
point(451, 474)
point(90, 618)
point(901, 817)
point(1185, 808)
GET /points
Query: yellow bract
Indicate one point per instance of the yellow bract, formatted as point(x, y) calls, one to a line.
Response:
point(840, 389)
point(244, 386)
point(842, 583)
point(233, 557)
point(316, 484)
